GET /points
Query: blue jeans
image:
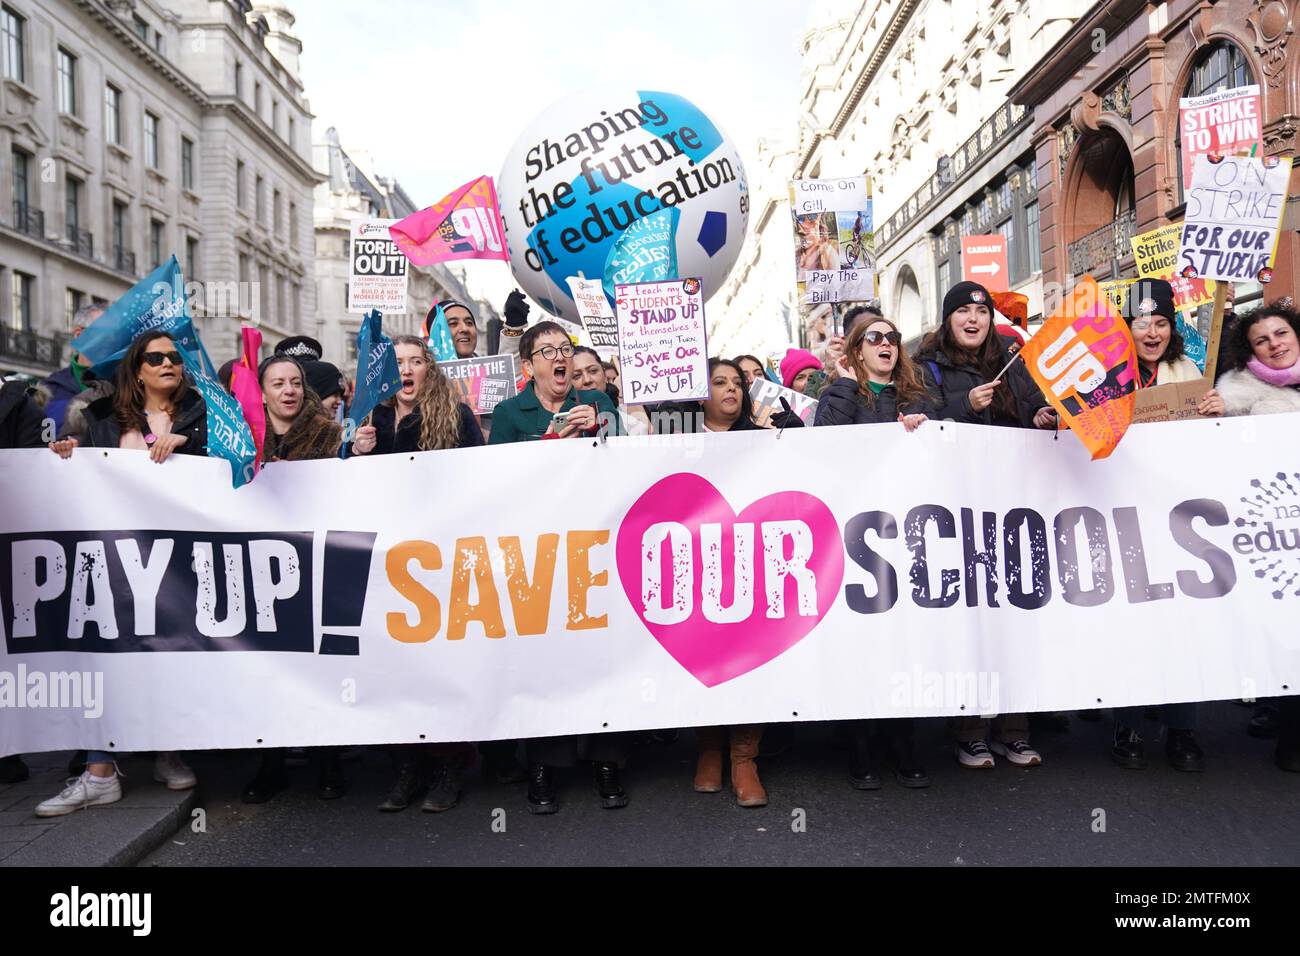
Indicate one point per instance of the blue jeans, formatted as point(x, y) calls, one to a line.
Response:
point(1175, 716)
point(99, 756)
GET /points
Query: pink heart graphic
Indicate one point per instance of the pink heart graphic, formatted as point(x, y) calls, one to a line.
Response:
point(713, 641)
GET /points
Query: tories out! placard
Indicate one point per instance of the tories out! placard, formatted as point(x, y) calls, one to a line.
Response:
point(376, 270)
point(662, 343)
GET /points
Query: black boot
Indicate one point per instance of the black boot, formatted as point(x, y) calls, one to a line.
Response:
point(332, 784)
point(1264, 724)
point(271, 778)
point(609, 785)
point(1183, 752)
point(408, 786)
point(541, 790)
point(445, 787)
point(907, 769)
point(862, 763)
point(499, 762)
point(1127, 750)
point(13, 770)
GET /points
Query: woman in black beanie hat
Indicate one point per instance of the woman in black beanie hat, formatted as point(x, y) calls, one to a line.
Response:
point(959, 363)
point(327, 382)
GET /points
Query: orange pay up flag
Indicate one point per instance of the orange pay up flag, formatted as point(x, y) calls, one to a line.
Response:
point(1084, 360)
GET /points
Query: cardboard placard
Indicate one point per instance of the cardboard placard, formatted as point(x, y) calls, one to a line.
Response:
point(377, 276)
point(766, 396)
point(662, 342)
point(483, 383)
point(1170, 403)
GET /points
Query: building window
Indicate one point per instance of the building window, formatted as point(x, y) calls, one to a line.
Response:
point(275, 116)
point(293, 224)
point(156, 242)
point(67, 82)
point(293, 133)
point(257, 97)
point(243, 268)
point(13, 29)
point(72, 207)
point(20, 183)
point(239, 81)
point(20, 316)
point(297, 307)
point(260, 200)
point(141, 27)
point(281, 313)
point(187, 163)
point(113, 114)
point(72, 302)
point(119, 229)
point(264, 290)
point(1222, 66)
point(158, 41)
point(191, 257)
point(278, 212)
point(945, 281)
point(241, 196)
point(150, 140)
point(1032, 239)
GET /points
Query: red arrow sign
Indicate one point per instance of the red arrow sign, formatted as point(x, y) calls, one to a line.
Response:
point(984, 260)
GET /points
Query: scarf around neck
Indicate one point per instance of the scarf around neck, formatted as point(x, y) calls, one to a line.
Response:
point(1281, 377)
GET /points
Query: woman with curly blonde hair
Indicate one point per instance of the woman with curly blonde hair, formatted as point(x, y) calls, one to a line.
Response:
point(426, 414)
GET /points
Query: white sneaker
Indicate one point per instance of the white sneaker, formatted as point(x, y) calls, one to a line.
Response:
point(1018, 752)
point(170, 769)
point(82, 793)
point(974, 754)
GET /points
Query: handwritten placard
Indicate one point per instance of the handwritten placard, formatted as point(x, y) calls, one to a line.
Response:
point(1234, 213)
point(662, 342)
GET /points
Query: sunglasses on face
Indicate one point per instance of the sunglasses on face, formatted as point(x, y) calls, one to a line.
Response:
point(875, 337)
point(157, 358)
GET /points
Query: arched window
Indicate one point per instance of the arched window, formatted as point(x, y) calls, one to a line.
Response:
point(1220, 66)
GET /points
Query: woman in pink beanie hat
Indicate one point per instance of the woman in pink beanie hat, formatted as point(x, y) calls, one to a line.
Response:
point(797, 365)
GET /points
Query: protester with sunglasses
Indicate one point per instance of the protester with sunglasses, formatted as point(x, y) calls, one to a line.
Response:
point(154, 409)
point(877, 383)
point(960, 363)
point(552, 407)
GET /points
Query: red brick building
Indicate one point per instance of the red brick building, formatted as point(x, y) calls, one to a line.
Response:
point(1106, 132)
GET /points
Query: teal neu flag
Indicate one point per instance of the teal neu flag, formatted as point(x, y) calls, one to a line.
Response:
point(377, 376)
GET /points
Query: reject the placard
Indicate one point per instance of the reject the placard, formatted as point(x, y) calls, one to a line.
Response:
point(662, 342)
point(1234, 214)
point(483, 383)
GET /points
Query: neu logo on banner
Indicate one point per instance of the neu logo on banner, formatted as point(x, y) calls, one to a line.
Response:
point(724, 593)
point(1270, 533)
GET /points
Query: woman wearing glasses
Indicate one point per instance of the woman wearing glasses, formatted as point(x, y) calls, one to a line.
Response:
point(153, 408)
point(552, 407)
point(876, 384)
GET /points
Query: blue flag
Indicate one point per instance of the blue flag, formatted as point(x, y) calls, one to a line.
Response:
point(440, 343)
point(1193, 343)
point(229, 436)
point(377, 376)
point(156, 302)
point(645, 252)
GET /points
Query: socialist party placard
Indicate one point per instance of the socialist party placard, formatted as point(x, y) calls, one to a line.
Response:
point(376, 269)
point(1234, 214)
point(662, 343)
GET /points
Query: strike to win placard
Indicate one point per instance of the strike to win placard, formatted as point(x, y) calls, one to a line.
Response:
point(376, 269)
point(1219, 124)
point(662, 342)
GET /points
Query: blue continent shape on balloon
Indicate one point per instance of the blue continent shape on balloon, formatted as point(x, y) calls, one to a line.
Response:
point(590, 261)
point(713, 232)
point(682, 112)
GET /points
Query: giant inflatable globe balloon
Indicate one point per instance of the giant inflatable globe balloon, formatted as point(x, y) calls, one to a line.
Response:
point(621, 185)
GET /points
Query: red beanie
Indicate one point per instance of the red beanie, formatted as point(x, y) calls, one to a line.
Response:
point(795, 361)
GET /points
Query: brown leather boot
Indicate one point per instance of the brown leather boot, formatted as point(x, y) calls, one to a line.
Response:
point(708, 766)
point(744, 772)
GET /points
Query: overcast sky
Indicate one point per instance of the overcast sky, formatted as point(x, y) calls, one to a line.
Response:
point(438, 90)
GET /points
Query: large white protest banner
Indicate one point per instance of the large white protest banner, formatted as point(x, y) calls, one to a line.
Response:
point(662, 341)
point(837, 573)
point(377, 277)
point(1233, 218)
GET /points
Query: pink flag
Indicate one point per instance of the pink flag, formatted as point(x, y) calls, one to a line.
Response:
point(247, 391)
point(464, 225)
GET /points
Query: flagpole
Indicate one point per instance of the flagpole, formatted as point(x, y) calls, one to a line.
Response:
point(1007, 366)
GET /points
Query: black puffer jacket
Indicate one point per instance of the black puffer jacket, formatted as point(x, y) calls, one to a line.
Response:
point(404, 437)
point(950, 384)
point(21, 419)
point(842, 404)
point(103, 431)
